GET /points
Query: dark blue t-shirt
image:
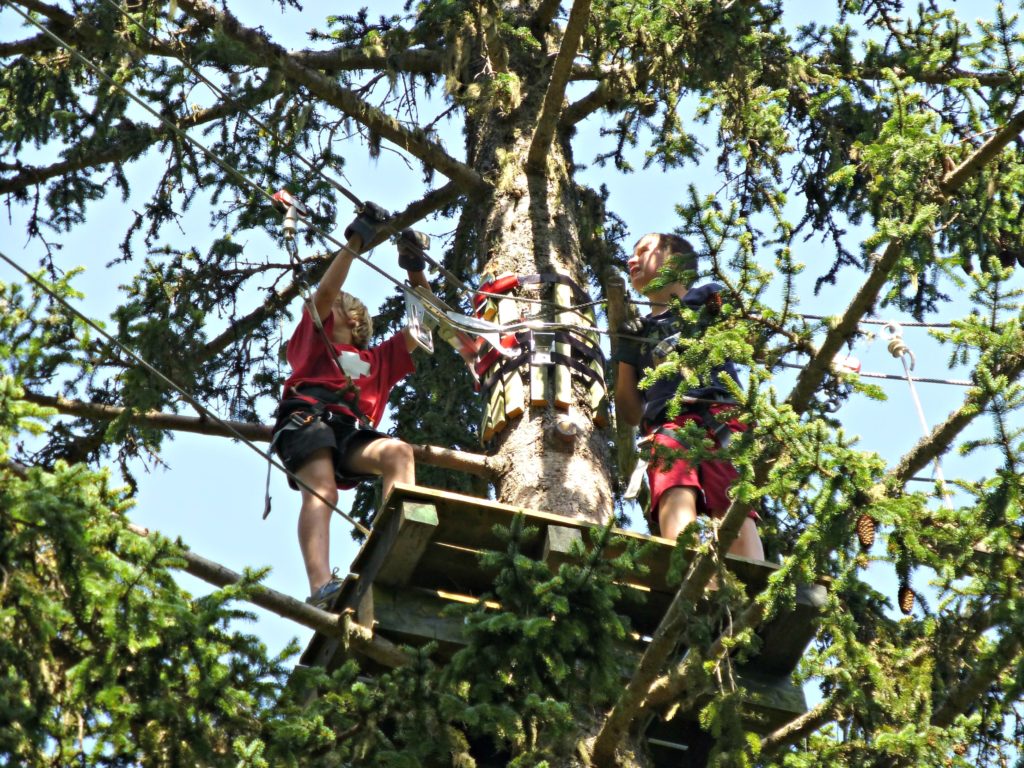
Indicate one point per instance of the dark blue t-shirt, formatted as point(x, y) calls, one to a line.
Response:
point(656, 328)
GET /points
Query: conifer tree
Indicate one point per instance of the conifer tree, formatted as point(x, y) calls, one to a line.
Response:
point(904, 121)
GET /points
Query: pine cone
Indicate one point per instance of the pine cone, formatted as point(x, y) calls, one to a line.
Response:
point(866, 531)
point(959, 749)
point(906, 599)
point(713, 303)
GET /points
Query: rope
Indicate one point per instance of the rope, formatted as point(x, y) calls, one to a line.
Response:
point(200, 408)
point(893, 333)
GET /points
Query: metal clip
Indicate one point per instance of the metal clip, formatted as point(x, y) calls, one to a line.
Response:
point(416, 319)
point(541, 343)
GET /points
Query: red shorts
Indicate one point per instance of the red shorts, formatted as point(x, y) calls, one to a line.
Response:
point(710, 479)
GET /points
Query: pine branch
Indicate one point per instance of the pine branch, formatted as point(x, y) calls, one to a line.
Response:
point(134, 141)
point(355, 636)
point(934, 445)
point(665, 638)
point(820, 364)
point(555, 94)
point(426, 205)
point(435, 456)
point(942, 77)
point(414, 142)
point(1006, 654)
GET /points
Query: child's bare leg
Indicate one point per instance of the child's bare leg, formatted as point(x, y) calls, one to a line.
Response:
point(748, 542)
point(390, 458)
point(677, 508)
point(315, 516)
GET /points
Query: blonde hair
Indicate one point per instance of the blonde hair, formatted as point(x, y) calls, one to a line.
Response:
point(363, 331)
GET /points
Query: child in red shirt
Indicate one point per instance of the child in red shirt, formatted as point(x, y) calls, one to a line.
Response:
point(326, 426)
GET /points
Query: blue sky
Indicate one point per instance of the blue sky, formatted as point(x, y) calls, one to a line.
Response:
point(210, 493)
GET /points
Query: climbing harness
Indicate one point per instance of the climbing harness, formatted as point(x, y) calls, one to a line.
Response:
point(701, 408)
point(893, 333)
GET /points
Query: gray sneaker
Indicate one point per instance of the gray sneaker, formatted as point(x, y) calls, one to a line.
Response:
point(324, 597)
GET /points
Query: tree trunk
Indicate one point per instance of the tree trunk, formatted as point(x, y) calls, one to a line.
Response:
point(555, 459)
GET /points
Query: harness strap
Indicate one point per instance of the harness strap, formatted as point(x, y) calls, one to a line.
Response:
point(507, 365)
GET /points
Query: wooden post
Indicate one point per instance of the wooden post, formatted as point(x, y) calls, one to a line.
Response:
point(515, 401)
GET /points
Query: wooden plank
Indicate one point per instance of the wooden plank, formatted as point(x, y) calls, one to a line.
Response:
point(515, 399)
point(467, 521)
point(539, 385)
point(768, 702)
point(417, 523)
point(563, 374)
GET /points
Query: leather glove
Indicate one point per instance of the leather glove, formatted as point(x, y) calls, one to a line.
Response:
point(367, 220)
point(411, 245)
point(628, 349)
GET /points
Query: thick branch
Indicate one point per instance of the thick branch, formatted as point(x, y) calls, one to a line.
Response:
point(416, 61)
point(600, 97)
point(134, 141)
point(443, 458)
point(356, 636)
point(29, 45)
point(414, 142)
point(555, 95)
point(820, 364)
point(798, 728)
point(543, 17)
point(429, 203)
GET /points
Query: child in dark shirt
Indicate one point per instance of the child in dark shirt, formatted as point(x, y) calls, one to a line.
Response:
point(679, 489)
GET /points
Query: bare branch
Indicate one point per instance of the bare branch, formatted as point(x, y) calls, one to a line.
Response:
point(819, 365)
point(543, 17)
point(356, 636)
point(414, 142)
point(555, 95)
point(600, 97)
point(429, 203)
point(443, 458)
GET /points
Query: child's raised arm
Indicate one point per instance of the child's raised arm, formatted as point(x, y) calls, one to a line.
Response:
point(361, 231)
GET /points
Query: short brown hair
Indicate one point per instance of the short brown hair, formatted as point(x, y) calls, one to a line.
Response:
point(679, 248)
point(363, 331)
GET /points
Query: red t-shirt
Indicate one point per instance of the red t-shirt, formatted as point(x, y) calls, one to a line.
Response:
point(311, 364)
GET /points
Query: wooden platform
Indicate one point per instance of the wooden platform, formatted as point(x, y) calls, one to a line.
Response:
point(421, 556)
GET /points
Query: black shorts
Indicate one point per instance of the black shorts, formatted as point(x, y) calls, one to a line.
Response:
point(331, 430)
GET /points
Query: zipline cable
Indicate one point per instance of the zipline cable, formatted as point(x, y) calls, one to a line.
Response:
point(894, 377)
point(202, 409)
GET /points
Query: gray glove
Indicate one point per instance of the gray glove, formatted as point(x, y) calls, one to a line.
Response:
point(367, 220)
point(411, 245)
